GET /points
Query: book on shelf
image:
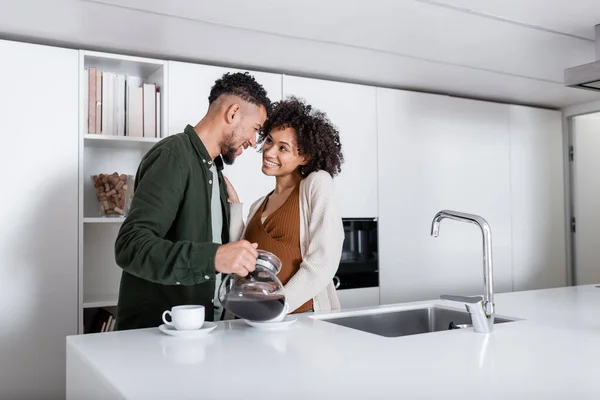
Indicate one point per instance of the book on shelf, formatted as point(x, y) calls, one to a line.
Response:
point(102, 321)
point(122, 105)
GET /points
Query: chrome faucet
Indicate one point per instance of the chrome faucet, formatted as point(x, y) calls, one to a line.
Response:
point(480, 308)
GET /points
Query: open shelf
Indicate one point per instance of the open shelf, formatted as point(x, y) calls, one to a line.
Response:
point(112, 142)
point(97, 314)
point(122, 108)
point(96, 302)
point(119, 142)
point(101, 274)
point(103, 220)
point(130, 65)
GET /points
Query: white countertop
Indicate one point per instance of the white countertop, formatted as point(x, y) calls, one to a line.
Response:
point(552, 353)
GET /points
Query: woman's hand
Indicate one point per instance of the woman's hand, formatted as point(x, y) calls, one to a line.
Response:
point(232, 196)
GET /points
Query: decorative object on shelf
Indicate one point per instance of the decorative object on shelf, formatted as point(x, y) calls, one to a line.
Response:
point(114, 193)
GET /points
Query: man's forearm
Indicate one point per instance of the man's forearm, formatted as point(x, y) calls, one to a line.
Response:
point(141, 253)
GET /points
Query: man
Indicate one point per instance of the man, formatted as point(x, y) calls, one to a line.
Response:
point(169, 247)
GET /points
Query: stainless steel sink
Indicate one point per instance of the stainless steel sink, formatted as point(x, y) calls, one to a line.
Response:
point(409, 322)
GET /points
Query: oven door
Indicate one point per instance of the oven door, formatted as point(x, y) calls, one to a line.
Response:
point(357, 285)
point(356, 276)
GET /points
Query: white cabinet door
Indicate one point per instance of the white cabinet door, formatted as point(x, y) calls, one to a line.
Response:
point(435, 153)
point(353, 109)
point(586, 198)
point(189, 87)
point(537, 198)
point(355, 298)
point(39, 214)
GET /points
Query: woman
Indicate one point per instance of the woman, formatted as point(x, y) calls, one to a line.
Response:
point(299, 220)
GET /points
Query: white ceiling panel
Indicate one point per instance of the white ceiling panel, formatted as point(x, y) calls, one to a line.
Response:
point(573, 17)
point(419, 29)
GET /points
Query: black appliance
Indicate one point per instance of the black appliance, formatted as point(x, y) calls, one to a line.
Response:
point(359, 266)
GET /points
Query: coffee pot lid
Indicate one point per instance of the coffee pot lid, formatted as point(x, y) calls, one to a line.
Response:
point(269, 261)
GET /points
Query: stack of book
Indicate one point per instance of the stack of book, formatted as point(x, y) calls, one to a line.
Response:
point(122, 105)
point(102, 321)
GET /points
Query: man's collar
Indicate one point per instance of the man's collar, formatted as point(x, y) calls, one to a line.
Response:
point(219, 163)
point(201, 149)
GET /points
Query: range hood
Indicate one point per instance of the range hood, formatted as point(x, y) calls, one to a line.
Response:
point(586, 76)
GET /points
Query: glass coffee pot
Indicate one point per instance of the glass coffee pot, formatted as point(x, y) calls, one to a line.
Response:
point(257, 297)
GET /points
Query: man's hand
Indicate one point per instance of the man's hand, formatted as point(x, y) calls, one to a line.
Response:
point(236, 258)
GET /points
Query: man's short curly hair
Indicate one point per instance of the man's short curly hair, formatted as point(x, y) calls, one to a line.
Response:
point(242, 85)
point(317, 138)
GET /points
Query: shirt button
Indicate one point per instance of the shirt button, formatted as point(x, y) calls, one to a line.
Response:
point(206, 277)
point(210, 162)
point(210, 182)
point(177, 283)
point(203, 160)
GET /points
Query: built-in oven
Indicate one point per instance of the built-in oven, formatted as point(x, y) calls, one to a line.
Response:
point(359, 266)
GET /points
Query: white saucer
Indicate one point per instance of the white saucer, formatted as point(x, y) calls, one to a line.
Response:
point(207, 327)
point(286, 323)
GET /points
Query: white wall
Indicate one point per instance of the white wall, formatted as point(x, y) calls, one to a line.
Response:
point(38, 234)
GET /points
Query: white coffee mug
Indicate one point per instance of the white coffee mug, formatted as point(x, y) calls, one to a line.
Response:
point(185, 318)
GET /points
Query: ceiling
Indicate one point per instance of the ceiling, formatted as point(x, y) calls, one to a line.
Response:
point(503, 50)
point(593, 116)
point(576, 18)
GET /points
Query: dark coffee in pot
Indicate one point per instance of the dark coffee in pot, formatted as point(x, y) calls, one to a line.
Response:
point(256, 308)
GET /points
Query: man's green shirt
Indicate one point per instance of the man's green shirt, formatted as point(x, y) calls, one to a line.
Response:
point(165, 246)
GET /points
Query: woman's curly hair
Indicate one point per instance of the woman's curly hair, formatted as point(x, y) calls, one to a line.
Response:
point(318, 139)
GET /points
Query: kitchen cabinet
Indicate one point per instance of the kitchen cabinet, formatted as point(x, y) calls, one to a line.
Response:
point(189, 87)
point(353, 109)
point(39, 213)
point(362, 297)
point(586, 197)
point(437, 152)
point(537, 198)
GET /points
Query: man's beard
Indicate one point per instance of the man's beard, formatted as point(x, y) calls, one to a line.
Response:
point(228, 149)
